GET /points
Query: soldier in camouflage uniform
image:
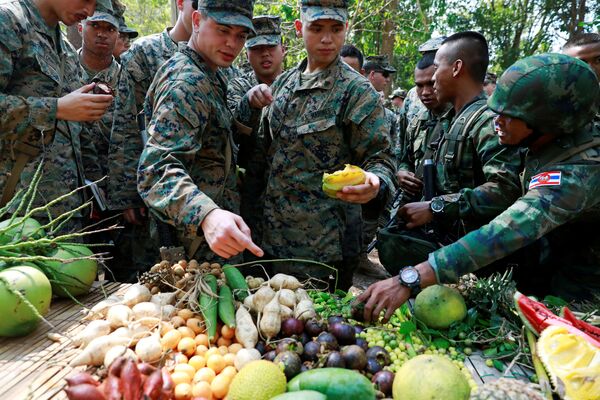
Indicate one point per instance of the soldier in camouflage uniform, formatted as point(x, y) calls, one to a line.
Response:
point(586, 47)
point(43, 103)
point(397, 98)
point(247, 96)
point(475, 177)
point(187, 171)
point(379, 72)
point(324, 115)
point(545, 105)
point(126, 35)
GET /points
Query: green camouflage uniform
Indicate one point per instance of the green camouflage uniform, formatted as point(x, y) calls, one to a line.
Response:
point(37, 66)
point(410, 109)
point(560, 200)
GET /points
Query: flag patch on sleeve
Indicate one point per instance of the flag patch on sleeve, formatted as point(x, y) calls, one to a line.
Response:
point(552, 178)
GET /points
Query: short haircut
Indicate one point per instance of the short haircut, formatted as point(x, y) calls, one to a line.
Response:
point(472, 48)
point(349, 50)
point(426, 60)
point(582, 39)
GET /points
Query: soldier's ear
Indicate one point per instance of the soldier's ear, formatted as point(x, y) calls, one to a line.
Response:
point(298, 26)
point(196, 17)
point(458, 67)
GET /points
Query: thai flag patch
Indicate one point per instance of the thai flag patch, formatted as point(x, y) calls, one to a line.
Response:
point(545, 179)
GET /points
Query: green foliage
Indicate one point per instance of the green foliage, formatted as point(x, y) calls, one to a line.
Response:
point(148, 16)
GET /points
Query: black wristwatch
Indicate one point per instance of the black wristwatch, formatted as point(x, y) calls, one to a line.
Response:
point(411, 278)
point(437, 205)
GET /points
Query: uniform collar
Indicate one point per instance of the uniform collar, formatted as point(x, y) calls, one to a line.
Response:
point(169, 46)
point(324, 79)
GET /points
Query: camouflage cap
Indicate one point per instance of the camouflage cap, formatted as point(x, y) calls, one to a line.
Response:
point(314, 10)
point(229, 12)
point(268, 31)
point(104, 6)
point(398, 93)
point(432, 44)
point(103, 17)
point(123, 28)
point(378, 63)
point(550, 92)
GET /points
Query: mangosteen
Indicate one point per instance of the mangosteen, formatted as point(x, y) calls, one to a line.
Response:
point(383, 381)
point(354, 357)
point(289, 362)
point(380, 354)
point(313, 327)
point(303, 338)
point(292, 326)
point(305, 367)
point(311, 351)
point(344, 333)
point(270, 356)
point(328, 341)
point(358, 311)
point(336, 319)
point(289, 344)
point(373, 366)
point(263, 348)
point(362, 343)
point(335, 360)
point(358, 329)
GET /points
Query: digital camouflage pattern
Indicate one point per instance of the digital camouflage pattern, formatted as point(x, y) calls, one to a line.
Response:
point(101, 135)
point(411, 107)
point(543, 74)
point(483, 179)
point(238, 103)
point(432, 44)
point(182, 172)
point(268, 31)
point(378, 63)
point(229, 12)
point(30, 84)
point(100, 16)
point(565, 215)
point(138, 67)
point(317, 123)
point(313, 10)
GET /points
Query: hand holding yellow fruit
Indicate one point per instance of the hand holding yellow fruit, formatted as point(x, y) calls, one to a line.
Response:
point(351, 175)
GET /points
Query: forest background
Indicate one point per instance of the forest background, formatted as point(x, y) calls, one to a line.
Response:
point(514, 28)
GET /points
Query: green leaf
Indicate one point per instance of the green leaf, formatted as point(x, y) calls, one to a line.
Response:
point(499, 365)
point(407, 327)
point(554, 301)
point(492, 351)
point(441, 343)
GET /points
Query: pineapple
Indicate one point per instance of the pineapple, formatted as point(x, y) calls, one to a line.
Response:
point(507, 389)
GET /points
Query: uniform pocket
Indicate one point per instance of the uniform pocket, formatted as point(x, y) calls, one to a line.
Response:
point(316, 126)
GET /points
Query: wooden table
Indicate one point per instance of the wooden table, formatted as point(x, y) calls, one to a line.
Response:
point(34, 367)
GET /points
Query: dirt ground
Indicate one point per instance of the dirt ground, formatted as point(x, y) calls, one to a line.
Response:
point(361, 281)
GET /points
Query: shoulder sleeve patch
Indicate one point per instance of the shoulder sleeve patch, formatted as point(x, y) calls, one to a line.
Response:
point(551, 178)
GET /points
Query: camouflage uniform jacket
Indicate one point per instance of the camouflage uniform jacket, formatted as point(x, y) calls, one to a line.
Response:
point(37, 66)
point(482, 179)
point(182, 169)
point(565, 212)
point(101, 135)
point(138, 67)
point(411, 107)
point(237, 100)
point(316, 124)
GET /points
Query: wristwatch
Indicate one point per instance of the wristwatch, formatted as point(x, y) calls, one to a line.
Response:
point(437, 205)
point(411, 278)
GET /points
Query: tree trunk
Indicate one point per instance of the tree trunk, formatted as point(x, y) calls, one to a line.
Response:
point(388, 35)
point(74, 36)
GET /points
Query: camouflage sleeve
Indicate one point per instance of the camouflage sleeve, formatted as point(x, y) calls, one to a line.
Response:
point(401, 151)
point(370, 134)
point(126, 147)
point(89, 153)
point(178, 119)
point(238, 103)
point(501, 166)
point(18, 112)
point(532, 216)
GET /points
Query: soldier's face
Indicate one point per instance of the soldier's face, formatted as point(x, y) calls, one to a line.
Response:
point(354, 62)
point(398, 102)
point(380, 79)
point(424, 84)
point(122, 45)
point(511, 131)
point(99, 38)
point(69, 12)
point(444, 75)
point(589, 53)
point(218, 44)
point(266, 60)
point(323, 39)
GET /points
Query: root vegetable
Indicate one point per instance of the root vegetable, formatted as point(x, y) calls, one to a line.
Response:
point(301, 294)
point(113, 388)
point(149, 349)
point(93, 330)
point(245, 330)
point(167, 312)
point(249, 303)
point(283, 281)
point(84, 391)
point(305, 310)
point(287, 298)
point(81, 377)
point(262, 297)
point(146, 369)
point(131, 379)
point(116, 352)
point(136, 294)
point(254, 283)
point(153, 386)
point(149, 322)
point(170, 340)
point(285, 312)
point(99, 310)
point(134, 332)
point(244, 356)
point(146, 309)
point(177, 321)
point(118, 315)
point(270, 322)
point(163, 299)
point(185, 313)
point(94, 353)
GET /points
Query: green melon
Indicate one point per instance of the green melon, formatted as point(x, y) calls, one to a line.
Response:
point(75, 277)
point(25, 230)
point(440, 306)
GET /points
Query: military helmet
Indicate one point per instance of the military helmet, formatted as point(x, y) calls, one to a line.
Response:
point(432, 44)
point(552, 93)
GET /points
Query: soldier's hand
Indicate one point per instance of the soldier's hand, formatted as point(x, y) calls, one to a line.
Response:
point(361, 194)
point(416, 214)
point(83, 106)
point(132, 215)
point(260, 96)
point(409, 182)
point(385, 295)
point(227, 234)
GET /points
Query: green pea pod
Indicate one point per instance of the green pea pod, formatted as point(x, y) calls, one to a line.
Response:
point(209, 306)
point(226, 307)
point(236, 281)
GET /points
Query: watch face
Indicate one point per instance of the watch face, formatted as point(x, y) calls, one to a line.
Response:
point(409, 275)
point(437, 205)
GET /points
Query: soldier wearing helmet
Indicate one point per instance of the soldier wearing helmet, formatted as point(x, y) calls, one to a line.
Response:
point(561, 186)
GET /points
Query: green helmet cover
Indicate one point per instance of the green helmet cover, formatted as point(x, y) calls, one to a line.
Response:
point(552, 93)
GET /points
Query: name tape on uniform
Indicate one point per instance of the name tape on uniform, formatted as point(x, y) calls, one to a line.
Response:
point(545, 179)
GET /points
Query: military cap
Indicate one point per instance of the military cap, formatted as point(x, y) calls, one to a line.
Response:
point(398, 93)
point(123, 28)
point(103, 17)
point(104, 6)
point(313, 10)
point(268, 31)
point(490, 77)
point(229, 12)
point(432, 44)
point(378, 63)
point(552, 93)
